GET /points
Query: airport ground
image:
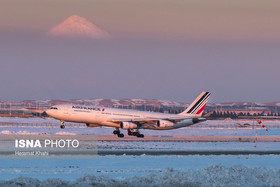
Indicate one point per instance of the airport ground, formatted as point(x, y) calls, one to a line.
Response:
point(219, 152)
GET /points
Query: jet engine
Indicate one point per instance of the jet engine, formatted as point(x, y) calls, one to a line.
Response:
point(92, 125)
point(164, 123)
point(128, 125)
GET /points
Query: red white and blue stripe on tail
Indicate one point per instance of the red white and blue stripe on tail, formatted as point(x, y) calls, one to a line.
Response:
point(197, 107)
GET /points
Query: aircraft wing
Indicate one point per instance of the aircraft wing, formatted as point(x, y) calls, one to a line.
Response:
point(32, 110)
point(151, 120)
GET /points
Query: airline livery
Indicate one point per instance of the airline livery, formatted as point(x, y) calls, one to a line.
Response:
point(131, 120)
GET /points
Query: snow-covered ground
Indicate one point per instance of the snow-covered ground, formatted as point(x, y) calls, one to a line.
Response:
point(210, 128)
point(145, 170)
point(194, 146)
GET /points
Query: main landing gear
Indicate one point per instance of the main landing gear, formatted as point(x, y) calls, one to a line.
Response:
point(130, 132)
point(118, 132)
point(62, 126)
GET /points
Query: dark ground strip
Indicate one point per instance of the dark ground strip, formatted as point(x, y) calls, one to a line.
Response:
point(153, 152)
point(187, 152)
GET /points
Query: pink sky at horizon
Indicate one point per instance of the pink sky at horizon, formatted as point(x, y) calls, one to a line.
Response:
point(161, 49)
point(216, 20)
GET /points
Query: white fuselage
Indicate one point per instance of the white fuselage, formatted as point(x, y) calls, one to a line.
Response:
point(111, 117)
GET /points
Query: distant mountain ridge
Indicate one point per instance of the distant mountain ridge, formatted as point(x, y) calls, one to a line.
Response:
point(129, 102)
point(114, 102)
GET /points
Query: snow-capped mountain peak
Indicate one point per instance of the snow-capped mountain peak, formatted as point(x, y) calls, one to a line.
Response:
point(76, 26)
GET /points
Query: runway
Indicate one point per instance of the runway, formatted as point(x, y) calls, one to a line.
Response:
point(190, 138)
point(102, 145)
point(149, 138)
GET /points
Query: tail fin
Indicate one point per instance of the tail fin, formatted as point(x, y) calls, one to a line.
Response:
point(197, 107)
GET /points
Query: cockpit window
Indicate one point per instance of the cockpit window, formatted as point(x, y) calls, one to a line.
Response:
point(54, 108)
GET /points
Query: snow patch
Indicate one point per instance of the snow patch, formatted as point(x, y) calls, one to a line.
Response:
point(7, 132)
point(65, 133)
point(24, 132)
point(215, 175)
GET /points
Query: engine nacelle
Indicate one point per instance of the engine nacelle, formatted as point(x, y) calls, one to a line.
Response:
point(128, 125)
point(164, 123)
point(92, 125)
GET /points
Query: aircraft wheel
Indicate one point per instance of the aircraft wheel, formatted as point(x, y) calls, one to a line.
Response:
point(120, 135)
point(135, 134)
point(116, 132)
point(62, 126)
point(140, 135)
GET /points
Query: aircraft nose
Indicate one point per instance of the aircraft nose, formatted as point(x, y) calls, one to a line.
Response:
point(49, 112)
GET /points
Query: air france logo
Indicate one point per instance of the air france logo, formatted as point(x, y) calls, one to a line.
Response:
point(86, 108)
point(47, 143)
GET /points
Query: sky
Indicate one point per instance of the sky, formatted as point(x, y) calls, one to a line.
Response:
point(160, 49)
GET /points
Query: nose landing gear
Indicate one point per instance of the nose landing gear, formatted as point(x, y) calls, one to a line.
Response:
point(62, 126)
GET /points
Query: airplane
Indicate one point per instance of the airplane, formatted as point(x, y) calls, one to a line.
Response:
point(131, 120)
point(243, 125)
